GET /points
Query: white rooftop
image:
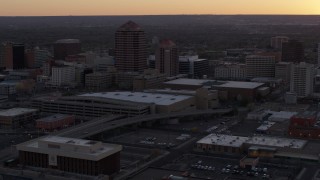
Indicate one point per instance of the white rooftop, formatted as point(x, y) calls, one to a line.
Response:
point(240, 85)
point(238, 141)
point(223, 140)
point(70, 147)
point(277, 142)
point(280, 116)
point(16, 111)
point(141, 97)
point(265, 126)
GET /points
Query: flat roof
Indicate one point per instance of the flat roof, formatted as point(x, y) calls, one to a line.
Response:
point(282, 115)
point(277, 142)
point(240, 85)
point(265, 126)
point(223, 140)
point(70, 147)
point(140, 97)
point(16, 111)
point(266, 80)
point(55, 117)
point(297, 155)
point(306, 114)
point(171, 91)
point(261, 147)
point(186, 81)
point(263, 141)
point(215, 83)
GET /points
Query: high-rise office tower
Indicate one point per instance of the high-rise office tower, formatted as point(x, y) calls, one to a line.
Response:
point(12, 55)
point(276, 42)
point(292, 51)
point(283, 71)
point(302, 77)
point(167, 58)
point(260, 66)
point(193, 66)
point(5, 55)
point(130, 48)
point(18, 56)
point(65, 47)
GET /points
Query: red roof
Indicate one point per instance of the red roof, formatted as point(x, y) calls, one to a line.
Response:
point(130, 26)
point(166, 43)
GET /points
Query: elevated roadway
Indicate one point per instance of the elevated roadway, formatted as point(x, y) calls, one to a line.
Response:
point(104, 124)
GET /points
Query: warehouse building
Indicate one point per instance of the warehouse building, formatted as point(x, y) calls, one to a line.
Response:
point(71, 155)
point(228, 90)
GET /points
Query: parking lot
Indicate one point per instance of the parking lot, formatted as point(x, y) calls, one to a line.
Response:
point(218, 125)
point(131, 156)
point(220, 168)
point(8, 140)
point(151, 138)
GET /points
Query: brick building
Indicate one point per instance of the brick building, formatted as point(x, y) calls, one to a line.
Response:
point(56, 121)
point(305, 125)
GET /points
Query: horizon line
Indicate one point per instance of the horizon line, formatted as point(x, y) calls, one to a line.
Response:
point(165, 15)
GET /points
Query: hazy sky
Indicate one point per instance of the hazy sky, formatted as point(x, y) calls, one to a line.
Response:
point(142, 7)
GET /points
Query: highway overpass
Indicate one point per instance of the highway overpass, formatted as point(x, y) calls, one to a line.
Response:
point(104, 124)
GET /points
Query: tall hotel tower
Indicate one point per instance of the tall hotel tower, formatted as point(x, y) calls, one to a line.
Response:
point(167, 58)
point(130, 48)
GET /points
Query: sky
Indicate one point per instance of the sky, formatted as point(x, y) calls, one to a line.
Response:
point(155, 7)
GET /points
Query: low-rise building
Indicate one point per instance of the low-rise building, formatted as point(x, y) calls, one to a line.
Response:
point(17, 117)
point(305, 125)
point(229, 90)
point(54, 122)
point(150, 79)
point(221, 144)
point(124, 80)
point(228, 144)
point(71, 155)
point(98, 80)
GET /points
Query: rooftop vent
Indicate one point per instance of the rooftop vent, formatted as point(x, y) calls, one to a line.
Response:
point(158, 97)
